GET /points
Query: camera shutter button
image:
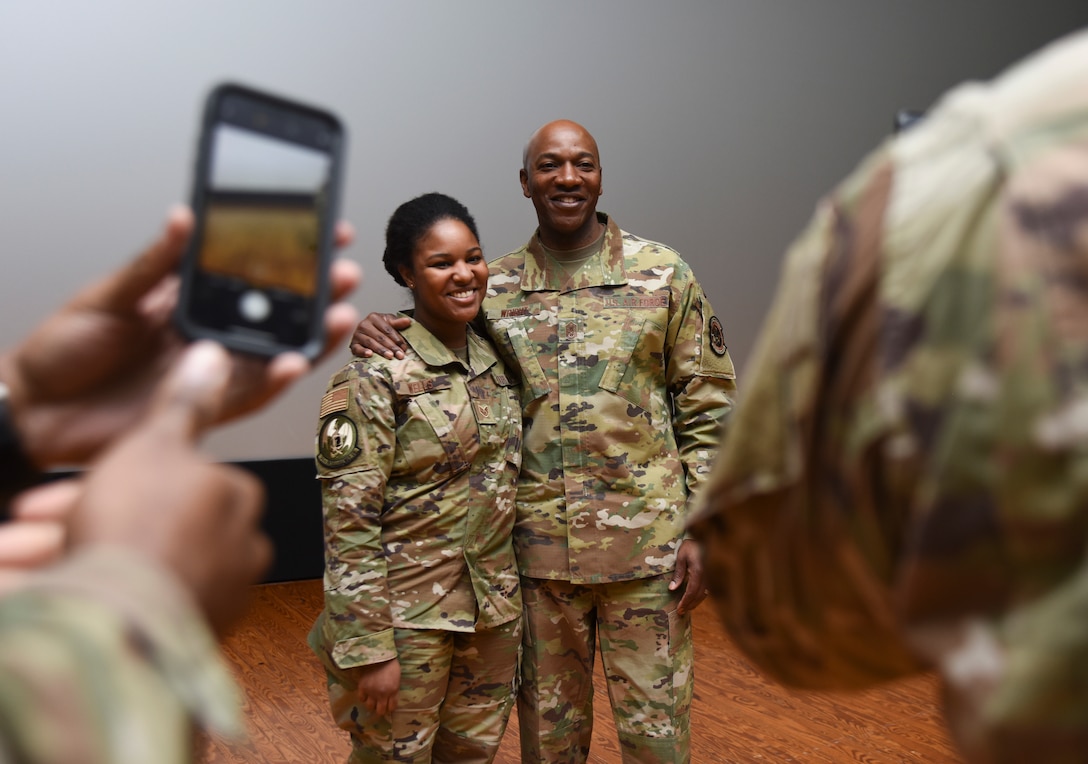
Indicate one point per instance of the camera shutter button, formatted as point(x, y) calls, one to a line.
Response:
point(254, 306)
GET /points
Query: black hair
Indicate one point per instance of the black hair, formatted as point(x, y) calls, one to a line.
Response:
point(411, 221)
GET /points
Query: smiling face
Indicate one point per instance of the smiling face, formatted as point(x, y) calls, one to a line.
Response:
point(448, 278)
point(562, 175)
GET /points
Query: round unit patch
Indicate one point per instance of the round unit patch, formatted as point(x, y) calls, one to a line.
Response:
point(717, 336)
point(338, 441)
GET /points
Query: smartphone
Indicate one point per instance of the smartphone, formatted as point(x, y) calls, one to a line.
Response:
point(266, 192)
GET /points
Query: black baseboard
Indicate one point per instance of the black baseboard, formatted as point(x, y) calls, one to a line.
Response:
point(292, 517)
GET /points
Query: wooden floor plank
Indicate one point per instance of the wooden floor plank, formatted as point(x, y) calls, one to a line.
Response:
point(737, 714)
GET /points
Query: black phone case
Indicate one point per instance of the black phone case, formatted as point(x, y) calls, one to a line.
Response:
point(232, 339)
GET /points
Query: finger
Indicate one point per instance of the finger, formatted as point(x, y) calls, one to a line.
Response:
point(360, 350)
point(678, 574)
point(248, 509)
point(345, 276)
point(52, 501)
point(340, 320)
point(343, 234)
point(379, 334)
point(30, 545)
point(283, 371)
point(393, 331)
point(124, 289)
point(157, 306)
point(687, 602)
point(191, 398)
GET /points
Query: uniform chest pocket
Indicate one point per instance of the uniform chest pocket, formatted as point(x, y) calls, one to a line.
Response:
point(426, 436)
point(520, 346)
point(636, 369)
point(498, 416)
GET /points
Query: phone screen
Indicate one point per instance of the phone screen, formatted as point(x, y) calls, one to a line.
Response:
point(264, 198)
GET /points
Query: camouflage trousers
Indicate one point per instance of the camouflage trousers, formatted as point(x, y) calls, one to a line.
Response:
point(646, 650)
point(456, 694)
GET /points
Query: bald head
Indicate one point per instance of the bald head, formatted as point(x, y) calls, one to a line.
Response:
point(559, 124)
point(561, 173)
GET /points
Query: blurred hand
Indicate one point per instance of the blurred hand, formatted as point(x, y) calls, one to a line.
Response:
point(88, 372)
point(689, 574)
point(35, 535)
point(380, 333)
point(155, 494)
point(379, 684)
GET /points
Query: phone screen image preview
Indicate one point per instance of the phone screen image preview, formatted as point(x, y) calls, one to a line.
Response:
point(257, 267)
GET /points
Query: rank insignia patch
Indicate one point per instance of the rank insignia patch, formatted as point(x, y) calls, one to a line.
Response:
point(338, 441)
point(717, 336)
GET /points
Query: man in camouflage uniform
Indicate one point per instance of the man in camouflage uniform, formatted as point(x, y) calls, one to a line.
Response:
point(905, 485)
point(625, 382)
point(108, 656)
point(418, 460)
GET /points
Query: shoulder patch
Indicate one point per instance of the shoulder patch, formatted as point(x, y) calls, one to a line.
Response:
point(337, 441)
point(717, 336)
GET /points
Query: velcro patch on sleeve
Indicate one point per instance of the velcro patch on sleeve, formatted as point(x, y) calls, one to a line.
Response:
point(334, 400)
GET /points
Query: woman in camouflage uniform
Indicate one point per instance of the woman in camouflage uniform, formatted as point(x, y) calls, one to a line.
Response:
point(418, 460)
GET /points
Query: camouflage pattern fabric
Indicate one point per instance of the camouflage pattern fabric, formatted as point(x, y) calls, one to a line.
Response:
point(418, 460)
point(905, 483)
point(457, 692)
point(626, 379)
point(104, 661)
point(647, 654)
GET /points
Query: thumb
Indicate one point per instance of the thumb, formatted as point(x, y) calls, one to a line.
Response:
point(679, 573)
point(50, 501)
point(189, 400)
point(124, 289)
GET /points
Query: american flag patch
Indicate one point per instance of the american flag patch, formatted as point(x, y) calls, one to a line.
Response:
point(334, 400)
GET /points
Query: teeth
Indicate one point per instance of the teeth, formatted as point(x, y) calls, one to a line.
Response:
point(463, 293)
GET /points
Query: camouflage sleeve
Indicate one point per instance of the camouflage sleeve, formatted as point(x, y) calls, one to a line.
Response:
point(797, 556)
point(701, 382)
point(905, 483)
point(358, 625)
point(103, 660)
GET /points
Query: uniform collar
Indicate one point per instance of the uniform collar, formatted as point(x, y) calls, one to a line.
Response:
point(606, 268)
point(481, 356)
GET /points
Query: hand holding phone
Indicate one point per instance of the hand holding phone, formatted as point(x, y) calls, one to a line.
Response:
point(266, 197)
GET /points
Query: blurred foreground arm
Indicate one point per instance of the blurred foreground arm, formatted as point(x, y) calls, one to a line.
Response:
point(107, 657)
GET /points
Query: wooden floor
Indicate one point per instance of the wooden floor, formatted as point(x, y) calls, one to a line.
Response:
point(737, 715)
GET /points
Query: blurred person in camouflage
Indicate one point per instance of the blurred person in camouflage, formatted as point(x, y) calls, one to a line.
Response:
point(905, 485)
point(418, 459)
point(108, 619)
point(625, 381)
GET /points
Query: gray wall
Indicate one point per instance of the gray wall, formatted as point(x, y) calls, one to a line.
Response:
point(720, 123)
